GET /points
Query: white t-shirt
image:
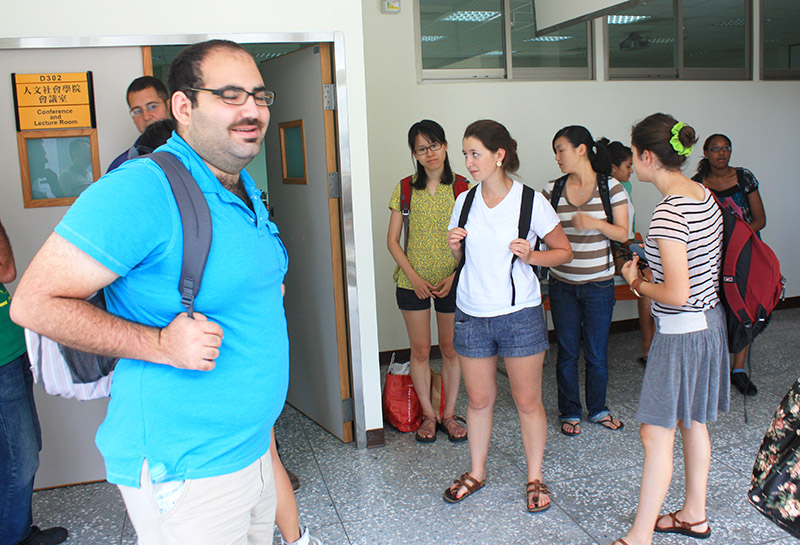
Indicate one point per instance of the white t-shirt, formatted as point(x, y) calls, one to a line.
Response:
point(484, 287)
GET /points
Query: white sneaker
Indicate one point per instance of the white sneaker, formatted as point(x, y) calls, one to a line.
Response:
point(305, 539)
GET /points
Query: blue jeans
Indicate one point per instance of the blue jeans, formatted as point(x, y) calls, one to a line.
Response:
point(20, 443)
point(582, 315)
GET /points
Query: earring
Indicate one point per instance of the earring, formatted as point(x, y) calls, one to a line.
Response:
point(499, 163)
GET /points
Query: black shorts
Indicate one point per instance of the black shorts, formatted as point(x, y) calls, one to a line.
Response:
point(408, 300)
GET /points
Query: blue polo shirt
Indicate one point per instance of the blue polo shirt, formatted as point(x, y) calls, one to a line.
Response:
point(196, 423)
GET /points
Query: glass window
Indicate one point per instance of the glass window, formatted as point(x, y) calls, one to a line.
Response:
point(458, 34)
point(643, 36)
point(497, 39)
point(715, 33)
point(568, 47)
point(780, 37)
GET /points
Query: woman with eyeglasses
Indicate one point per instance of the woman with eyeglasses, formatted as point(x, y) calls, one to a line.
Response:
point(582, 291)
point(685, 384)
point(425, 271)
point(737, 189)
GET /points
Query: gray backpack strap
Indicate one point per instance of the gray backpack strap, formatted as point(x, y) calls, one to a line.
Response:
point(196, 222)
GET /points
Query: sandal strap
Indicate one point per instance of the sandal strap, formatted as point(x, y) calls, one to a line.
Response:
point(537, 488)
point(470, 483)
point(683, 524)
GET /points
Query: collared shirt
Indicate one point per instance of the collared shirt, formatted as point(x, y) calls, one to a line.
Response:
point(197, 424)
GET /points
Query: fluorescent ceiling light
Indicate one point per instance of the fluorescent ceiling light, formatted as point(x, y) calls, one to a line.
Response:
point(432, 38)
point(548, 39)
point(626, 19)
point(471, 16)
point(660, 41)
point(495, 53)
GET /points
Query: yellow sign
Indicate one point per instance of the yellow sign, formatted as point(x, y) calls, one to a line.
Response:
point(54, 101)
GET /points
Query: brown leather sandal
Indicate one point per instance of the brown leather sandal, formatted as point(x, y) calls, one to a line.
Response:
point(620, 540)
point(424, 427)
point(535, 488)
point(683, 528)
point(468, 482)
point(447, 426)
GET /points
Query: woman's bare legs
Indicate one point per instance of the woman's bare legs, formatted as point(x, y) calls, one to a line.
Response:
point(418, 326)
point(286, 516)
point(525, 377)
point(656, 475)
point(451, 369)
point(480, 379)
point(697, 461)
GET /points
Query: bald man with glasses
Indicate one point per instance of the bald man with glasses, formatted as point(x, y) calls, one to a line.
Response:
point(148, 101)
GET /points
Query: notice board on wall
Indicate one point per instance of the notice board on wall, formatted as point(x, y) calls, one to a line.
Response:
point(555, 14)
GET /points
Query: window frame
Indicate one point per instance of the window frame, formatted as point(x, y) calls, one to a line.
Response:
point(508, 72)
point(770, 74)
point(679, 71)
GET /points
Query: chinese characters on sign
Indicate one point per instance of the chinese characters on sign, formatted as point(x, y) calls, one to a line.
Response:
point(54, 101)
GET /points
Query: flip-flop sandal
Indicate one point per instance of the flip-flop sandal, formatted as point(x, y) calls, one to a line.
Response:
point(608, 419)
point(570, 429)
point(442, 426)
point(683, 528)
point(535, 488)
point(467, 481)
point(431, 429)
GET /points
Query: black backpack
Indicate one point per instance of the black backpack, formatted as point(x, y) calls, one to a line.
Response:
point(524, 226)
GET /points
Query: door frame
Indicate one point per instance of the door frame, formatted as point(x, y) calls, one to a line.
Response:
point(343, 143)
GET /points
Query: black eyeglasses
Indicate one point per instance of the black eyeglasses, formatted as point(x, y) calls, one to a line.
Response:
point(717, 149)
point(236, 96)
point(422, 150)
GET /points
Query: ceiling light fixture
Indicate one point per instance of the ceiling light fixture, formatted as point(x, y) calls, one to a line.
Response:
point(626, 19)
point(471, 16)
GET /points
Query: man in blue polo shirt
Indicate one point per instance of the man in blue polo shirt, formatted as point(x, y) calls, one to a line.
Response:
point(148, 102)
point(193, 400)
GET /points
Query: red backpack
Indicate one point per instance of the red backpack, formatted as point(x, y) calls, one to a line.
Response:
point(751, 284)
point(459, 186)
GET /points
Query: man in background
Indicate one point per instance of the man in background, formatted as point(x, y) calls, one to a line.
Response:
point(148, 101)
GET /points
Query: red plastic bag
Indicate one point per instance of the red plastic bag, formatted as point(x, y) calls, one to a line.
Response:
point(401, 406)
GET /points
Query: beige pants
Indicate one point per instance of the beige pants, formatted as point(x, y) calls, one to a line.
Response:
point(233, 509)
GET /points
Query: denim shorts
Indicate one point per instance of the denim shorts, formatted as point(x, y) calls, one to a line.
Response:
point(516, 335)
point(408, 300)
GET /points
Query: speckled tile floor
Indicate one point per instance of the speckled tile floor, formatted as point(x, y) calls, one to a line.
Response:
point(392, 495)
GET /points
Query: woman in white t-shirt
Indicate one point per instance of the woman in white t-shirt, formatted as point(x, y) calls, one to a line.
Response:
point(498, 303)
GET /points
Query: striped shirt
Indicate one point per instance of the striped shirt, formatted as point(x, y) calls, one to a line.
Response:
point(698, 225)
point(591, 250)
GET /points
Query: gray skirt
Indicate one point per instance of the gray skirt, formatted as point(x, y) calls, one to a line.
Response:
point(687, 377)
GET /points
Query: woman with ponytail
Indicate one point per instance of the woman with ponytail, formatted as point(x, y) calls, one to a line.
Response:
point(685, 382)
point(737, 189)
point(582, 290)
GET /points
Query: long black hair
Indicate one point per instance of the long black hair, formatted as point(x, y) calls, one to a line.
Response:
point(617, 151)
point(434, 133)
point(597, 152)
point(704, 167)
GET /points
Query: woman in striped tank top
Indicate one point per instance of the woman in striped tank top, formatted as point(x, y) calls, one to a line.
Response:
point(686, 380)
point(582, 291)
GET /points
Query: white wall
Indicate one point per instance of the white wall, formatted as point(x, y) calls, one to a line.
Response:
point(85, 18)
point(760, 117)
